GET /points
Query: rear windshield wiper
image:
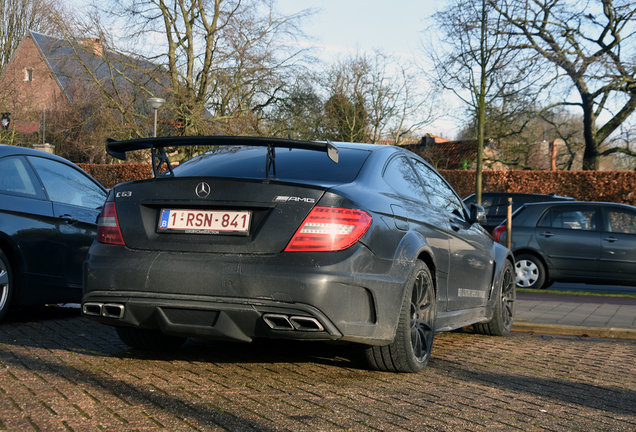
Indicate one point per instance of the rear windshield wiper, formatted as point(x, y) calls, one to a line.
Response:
point(118, 149)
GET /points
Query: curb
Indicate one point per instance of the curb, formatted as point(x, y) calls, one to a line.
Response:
point(563, 330)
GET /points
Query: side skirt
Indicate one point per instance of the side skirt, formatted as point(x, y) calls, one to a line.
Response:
point(453, 320)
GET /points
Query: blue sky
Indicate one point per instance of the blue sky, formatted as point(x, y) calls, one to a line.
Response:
point(395, 28)
point(341, 25)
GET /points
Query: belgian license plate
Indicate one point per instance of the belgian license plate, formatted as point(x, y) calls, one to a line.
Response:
point(205, 221)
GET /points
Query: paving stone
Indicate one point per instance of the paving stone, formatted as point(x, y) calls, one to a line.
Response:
point(59, 371)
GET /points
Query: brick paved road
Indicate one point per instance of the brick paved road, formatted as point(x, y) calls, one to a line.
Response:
point(61, 372)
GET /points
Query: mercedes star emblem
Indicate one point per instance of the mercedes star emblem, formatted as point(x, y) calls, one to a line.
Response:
point(202, 190)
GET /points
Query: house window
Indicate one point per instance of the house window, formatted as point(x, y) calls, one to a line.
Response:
point(28, 74)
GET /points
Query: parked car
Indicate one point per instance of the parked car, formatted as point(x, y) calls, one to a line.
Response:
point(573, 241)
point(496, 204)
point(277, 238)
point(48, 220)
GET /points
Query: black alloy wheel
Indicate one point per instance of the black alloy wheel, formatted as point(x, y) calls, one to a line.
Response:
point(504, 311)
point(411, 348)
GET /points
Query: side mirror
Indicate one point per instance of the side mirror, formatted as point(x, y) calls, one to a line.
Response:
point(477, 214)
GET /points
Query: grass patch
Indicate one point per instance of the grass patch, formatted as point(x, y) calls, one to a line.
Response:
point(586, 293)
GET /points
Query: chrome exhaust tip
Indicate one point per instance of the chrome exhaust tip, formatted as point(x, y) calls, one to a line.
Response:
point(92, 309)
point(278, 322)
point(113, 311)
point(307, 324)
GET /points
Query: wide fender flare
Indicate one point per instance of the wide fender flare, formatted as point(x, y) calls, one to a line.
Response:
point(502, 254)
point(411, 247)
point(414, 246)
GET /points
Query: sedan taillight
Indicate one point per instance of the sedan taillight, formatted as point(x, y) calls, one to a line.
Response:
point(329, 229)
point(498, 231)
point(108, 226)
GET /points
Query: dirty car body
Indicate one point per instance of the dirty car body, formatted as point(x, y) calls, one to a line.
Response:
point(273, 238)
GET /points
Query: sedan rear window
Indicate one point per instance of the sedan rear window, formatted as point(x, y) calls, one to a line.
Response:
point(289, 164)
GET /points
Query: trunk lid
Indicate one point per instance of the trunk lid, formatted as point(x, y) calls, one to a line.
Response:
point(272, 210)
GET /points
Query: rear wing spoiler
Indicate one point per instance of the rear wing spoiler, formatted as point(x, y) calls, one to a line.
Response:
point(118, 149)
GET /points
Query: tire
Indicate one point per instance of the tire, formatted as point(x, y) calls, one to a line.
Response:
point(149, 339)
point(6, 284)
point(411, 349)
point(530, 272)
point(504, 313)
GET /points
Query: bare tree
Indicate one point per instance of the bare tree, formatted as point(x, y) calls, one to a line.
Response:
point(472, 59)
point(346, 110)
point(222, 58)
point(373, 97)
point(590, 45)
point(398, 105)
point(17, 17)
point(299, 111)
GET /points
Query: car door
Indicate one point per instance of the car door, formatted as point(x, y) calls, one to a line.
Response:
point(77, 202)
point(27, 222)
point(471, 262)
point(570, 239)
point(421, 217)
point(618, 244)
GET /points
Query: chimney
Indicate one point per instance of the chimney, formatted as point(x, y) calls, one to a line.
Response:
point(427, 140)
point(95, 44)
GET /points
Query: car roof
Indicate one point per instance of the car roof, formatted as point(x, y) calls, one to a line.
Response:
point(521, 194)
point(578, 203)
point(11, 150)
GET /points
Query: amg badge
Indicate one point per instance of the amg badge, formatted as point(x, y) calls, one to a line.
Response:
point(293, 199)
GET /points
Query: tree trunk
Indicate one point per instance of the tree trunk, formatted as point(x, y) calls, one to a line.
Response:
point(591, 154)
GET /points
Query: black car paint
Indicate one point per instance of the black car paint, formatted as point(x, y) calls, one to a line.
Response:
point(46, 242)
point(232, 281)
point(572, 255)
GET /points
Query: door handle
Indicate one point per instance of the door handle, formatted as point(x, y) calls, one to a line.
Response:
point(546, 234)
point(610, 239)
point(68, 218)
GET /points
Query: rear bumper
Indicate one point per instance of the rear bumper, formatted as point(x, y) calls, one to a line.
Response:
point(235, 297)
point(209, 317)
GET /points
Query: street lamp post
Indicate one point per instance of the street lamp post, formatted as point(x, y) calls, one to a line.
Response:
point(5, 121)
point(155, 103)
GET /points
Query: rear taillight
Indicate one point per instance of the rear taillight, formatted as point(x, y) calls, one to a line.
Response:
point(498, 231)
point(108, 226)
point(329, 229)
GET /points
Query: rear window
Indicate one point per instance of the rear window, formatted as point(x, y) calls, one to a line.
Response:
point(290, 164)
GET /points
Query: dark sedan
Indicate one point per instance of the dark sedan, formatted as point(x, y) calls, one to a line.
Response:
point(591, 242)
point(496, 204)
point(48, 220)
point(276, 238)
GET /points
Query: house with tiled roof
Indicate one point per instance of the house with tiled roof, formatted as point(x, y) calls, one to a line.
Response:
point(443, 153)
point(48, 73)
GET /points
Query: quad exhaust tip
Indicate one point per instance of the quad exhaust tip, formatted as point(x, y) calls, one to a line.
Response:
point(291, 323)
point(108, 310)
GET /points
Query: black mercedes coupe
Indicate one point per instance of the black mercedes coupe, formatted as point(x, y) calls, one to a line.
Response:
point(280, 238)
